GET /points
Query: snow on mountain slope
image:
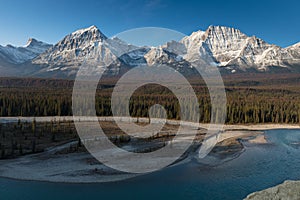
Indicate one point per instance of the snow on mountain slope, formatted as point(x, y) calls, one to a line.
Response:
point(73, 50)
point(17, 55)
point(225, 47)
point(160, 56)
point(295, 46)
point(36, 46)
point(229, 47)
point(294, 50)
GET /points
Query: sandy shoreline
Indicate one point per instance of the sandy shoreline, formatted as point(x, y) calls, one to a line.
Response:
point(267, 126)
point(81, 167)
point(78, 167)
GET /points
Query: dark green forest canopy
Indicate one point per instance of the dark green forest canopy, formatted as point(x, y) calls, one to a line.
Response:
point(251, 98)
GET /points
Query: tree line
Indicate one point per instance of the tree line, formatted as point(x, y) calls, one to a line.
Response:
point(244, 105)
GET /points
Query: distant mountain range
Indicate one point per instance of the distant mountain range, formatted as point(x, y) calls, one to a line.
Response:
point(227, 48)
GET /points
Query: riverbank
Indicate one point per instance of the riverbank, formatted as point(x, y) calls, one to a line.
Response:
point(57, 164)
point(266, 126)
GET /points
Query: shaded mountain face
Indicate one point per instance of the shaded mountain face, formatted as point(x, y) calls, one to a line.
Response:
point(12, 58)
point(67, 55)
point(72, 48)
point(18, 55)
point(227, 48)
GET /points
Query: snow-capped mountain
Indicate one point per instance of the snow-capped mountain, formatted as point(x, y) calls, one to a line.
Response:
point(72, 48)
point(294, 50)
point(17, 55)
point(227, 48)
point(68, 54)
point(230, 48)
point(36, 46)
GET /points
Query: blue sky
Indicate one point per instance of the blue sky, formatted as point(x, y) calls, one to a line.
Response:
point(276, 22)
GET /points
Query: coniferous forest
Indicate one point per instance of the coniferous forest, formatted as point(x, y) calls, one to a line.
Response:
point(256, 98)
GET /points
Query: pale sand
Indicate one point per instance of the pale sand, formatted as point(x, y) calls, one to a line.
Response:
point(262, 126)
point(260, 139)
point(73, 168)
point(267, 126)
point(238, 134)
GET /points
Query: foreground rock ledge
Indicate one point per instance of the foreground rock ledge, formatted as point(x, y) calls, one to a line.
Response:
point(289, 190)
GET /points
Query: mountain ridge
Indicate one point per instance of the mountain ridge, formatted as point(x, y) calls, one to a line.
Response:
point(18, 55)
point(224, 47)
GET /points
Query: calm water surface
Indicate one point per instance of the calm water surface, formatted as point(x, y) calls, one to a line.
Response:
point(259, 167)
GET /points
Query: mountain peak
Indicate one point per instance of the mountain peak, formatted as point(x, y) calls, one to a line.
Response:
point(74, 47)
point(31, 41)
point(91, 33)
point(36, 46)
point(225, 47)
point(19, 55)
point(91, 29)
point(197, 34)
point(224, 29)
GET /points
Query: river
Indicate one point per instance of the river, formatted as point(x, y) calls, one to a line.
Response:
point(260, 166)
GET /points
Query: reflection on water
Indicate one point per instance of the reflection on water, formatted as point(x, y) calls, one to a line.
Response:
point(259, 167)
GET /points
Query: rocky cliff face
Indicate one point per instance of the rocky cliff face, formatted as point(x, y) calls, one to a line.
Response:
point(73, 48)
point(226, 48)
point(67, 55)
point(232, 49)
point(289, 190)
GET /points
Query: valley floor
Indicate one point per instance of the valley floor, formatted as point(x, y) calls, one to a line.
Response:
point(58, 164)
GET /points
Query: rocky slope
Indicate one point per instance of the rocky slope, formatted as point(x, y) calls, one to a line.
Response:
point(289, 190)
point(17, 55)
point(227, 48)
point(67, 55)
point(232, 49)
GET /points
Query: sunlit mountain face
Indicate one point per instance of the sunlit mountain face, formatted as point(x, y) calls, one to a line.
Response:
point(226, 48)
